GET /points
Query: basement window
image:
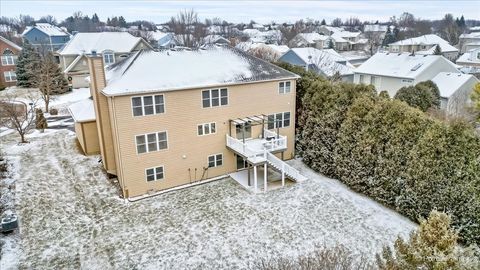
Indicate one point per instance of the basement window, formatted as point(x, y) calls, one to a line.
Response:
point(153, 174)
point(215, 160)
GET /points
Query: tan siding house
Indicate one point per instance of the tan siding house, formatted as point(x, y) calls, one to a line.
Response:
point(185, 121)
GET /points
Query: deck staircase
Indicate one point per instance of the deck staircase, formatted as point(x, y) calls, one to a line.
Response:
point(260, 156)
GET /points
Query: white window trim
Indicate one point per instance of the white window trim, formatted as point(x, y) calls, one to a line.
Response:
point(143, 107)
point(146, 142)
point(105, 53)
point(155, 173)
point(282, 89)
point(219, 96)
point(215, 160)
point(209, 128)
point(283, 120)
point(9, 76)
point(4, 59)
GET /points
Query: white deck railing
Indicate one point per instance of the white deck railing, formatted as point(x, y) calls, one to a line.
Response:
point(284, 167)
point(242, 148)
point(274, 141)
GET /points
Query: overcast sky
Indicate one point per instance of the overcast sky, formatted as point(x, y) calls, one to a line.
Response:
point(243, 11)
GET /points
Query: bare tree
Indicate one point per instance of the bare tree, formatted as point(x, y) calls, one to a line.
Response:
point(374, 41)
point(50, 80)
point(264, 52)
point(337, 22)
point(183, 26)
point(18, 115)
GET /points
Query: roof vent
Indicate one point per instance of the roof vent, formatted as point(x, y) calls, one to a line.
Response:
point(94, 52)
point(417, 66)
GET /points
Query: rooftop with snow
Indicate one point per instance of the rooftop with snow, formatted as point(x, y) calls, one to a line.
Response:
point(50, 30)
point(402, 65)
point(151, 71)
point(448, 82)
point(87, 42)
point(428, 40)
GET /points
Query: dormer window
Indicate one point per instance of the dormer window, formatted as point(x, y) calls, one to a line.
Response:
point(108, 58)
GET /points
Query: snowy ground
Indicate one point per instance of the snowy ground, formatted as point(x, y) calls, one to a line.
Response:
point(71, 217)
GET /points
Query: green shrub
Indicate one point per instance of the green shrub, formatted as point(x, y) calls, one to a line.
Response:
point(424, 95)
point(444, 173)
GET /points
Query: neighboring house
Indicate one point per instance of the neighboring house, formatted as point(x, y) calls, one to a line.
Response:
point(346, 40)
point(314, 40)
point(392, 71)
point(113, 46)
point(173, 119)
point(325, 62)
point(165, 40)
point(46, 36)
point(467, 39)
point(269, 37)
point(425, 44)
point(269, 52)
point(356, 58)
point(375, 28)
point(470, 58)
point(455, 90)
point(9, 52)
point(215, 39)
point(329, 30)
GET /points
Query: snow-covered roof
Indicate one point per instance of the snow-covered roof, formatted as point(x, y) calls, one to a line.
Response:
point(354, 55)
point(87, 42)
point(48, 29)
point(156, 35)
point(333, 28)
point(448, 83)
point(346, 34)
point(328, 61)
point(375, 28)
point(150, 71)
point(400, 65)
point(9, 43)
point(312, 37)
point(212, 39)
point(427, 40)
point(338, 38)
point(470, 56)
point(475, 35)
point(82, 111)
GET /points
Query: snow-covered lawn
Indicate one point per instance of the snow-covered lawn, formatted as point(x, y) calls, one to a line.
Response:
point(72, 218)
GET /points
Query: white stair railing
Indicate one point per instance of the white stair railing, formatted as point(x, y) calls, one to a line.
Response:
point(287, 169)
point(240, 147)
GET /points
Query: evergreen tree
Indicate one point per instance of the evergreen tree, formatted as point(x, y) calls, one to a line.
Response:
point(462, 22)
point(476, 99)
point(109, 23)
point(331, 45)
point(122, 22)
point(423, 96)
point(51, 80)
point(438, 50)
point(323, 22)
point(433, 246)
point(27, 66)
point(95, 18)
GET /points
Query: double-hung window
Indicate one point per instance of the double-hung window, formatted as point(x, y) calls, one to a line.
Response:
point(108, 57)
point(151, 142)
point(207, 128)
point(8, 60)
point(214, 97)
point(10, 76)
point(215, 160)
point(279, 120)
point(153, 174)
point(284, 87)
point(148, 105)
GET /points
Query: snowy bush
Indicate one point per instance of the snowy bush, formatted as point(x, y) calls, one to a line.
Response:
point(424, 95)
point(433, 246)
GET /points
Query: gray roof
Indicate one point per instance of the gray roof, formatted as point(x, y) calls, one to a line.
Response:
point(151, 71)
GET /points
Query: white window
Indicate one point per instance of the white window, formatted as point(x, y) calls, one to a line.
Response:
point(148, 105)
point(214, 97)
point(151, 142)
point(10, 76)
point(9, 60)
point(207, 128)
point(374, 80)
point(215, 160)
point(153, 174)
point(108, 58)
point(279, 120)
point(284, 87)
point(361, 78)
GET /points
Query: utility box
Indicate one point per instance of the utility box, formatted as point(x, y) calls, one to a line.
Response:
point(9, 223)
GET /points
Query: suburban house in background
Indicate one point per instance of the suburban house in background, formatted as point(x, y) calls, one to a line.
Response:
point(45, 35)
point(112, 46)
point(314, 40)
point(470, 58)
point(469, 41)
point(9, 53)
point(325, 62)
point(159, 129)
point(392, 71)
point(269, 52)
point(215, 39)
point(425, 44)
point(164, 40)
point(455, 90)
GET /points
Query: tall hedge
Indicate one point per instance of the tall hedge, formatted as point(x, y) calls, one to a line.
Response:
point(393, 152)
point(444, 173)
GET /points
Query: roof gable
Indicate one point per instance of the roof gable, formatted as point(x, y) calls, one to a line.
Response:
point(10, 43)
point(121, 42)
point(47, 29)
point(448, 83)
